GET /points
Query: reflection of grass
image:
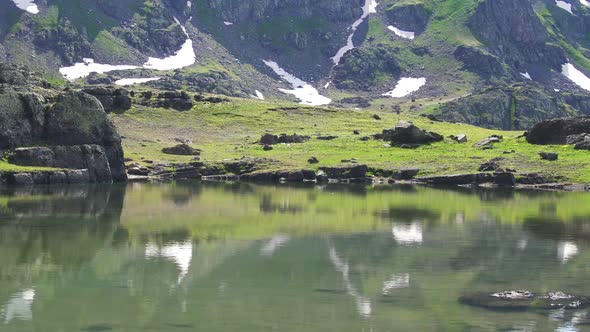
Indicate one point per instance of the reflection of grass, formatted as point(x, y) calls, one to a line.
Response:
point(218, 212)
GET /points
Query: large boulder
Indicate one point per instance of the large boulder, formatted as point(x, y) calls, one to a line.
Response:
point(557, 131)
point(90, 157)
point(182, 150)
point(112, 100)
point(22, 119)
point(79, 118)
point(405, 132)
point(345, 172)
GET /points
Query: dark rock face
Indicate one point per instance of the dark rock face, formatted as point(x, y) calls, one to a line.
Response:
point(112, 100)
point(178, 100)
point(90, 157)
point(407, 133)
point(78, 118)
point(556, 131)
point(182, 150)
point(490, 166)
point(525, 300)
point(276, 176)
point(409, 17)
point(499, 179)
point(77, 176)
point(475, 60)
point(405, 174)
point(22, 119)
point(359, 67)
point(345, 172)
point(515, 34)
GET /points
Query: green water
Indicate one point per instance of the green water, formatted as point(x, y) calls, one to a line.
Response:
point(241, 257)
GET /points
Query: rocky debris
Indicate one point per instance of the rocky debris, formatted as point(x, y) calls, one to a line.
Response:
point(551, 156)
point(359, 102)
point(532, 179)
point(46, 177)
point(356, 132)
point(313, 160)
point(557, 131)
point(405, 132)
point(327, 137)
point(113, 100)
point(582, 146)
point(345, 172)
point(138, 170)
point(488, 142)
point(491, 165)
point(182, 150)
point(280, 176)
point(500, 179)
point(577, 139)
point(16, 75)
point(431, 117)
point(364, 138)
point(461, 138)
point(376, 117)
point(267, 147)
point(525, 300)
point(405, 174)
point(90, 157)
point(213, 100)
point(270, 139)
point(244, 165)
point(177, 100)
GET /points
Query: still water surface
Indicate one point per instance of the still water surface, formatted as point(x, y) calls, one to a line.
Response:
point(242, 257)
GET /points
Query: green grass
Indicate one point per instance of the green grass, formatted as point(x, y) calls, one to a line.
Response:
point(231, 130)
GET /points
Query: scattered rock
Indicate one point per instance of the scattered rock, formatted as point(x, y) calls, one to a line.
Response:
point(137, 169)
point(551, 156)
point(327, 138)
point(345, 172)
point(488, 142)
point(313, 160)
point(490, 166)
point(406, 132)
point(582, 146)
point(405, 174)
point(376, 117)
point(356, 132)
point(364, 138)
point(461, 138)
point(267, 147)
point(182, 150)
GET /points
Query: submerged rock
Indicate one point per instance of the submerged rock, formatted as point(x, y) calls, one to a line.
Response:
point(524, 300)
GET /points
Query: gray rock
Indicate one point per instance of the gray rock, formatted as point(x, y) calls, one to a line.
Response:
point(488, 142)
point(182, 149)
point(406, 132)
point(551, 156)
point(557, 131)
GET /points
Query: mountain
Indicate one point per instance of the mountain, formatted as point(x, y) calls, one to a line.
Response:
point(495, 63)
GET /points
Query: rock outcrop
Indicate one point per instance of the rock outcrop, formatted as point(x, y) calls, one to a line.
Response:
point(113, 100)
point(409, 17)
point(405, 132)
point(557, 131)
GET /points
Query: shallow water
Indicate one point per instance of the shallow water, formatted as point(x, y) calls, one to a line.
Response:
point(229, 257)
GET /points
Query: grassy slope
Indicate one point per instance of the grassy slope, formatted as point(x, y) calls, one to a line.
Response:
point(230, 130)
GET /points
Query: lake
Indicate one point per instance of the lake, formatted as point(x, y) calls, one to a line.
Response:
point(246, 257)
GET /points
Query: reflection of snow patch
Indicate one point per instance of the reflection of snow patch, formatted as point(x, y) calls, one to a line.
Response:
point(19, 306)
point(585, 3)
point(405, 86)
point(305, 92)
point(576, 76)
point(526, 75)
point(522, 244)
point(397, 281)
point(566, 251)
point(369, 8)
point(273, 244)
point(228, 23)
point(363, 304)
point(564, 5)
point(189, 4)
point(407, 234)
point(178, 253)
point(83, 69)
point(27, 5)
point(401, 33)
point(131, 81)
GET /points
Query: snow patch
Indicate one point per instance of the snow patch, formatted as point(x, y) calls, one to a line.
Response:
point(405, 86)
point(183, 58)
point(87, 66)
point(259, 95)
point(131, 81)
point(526, 75)
point(180, 254)
point(401, 33)
point(228, 23)
point(189, 4)
point(305, 92)
point(370, 7)
point(327, 85)
point(564, 5)
point(585, 3)
point(576, 76)
point(27, 5)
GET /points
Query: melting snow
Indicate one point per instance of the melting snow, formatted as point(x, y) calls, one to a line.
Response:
point(564, 5)
point(19, 306)
point(305, 92)
point(526, 75)
point(131, 81)
point(178, 253)
point(566, 251)
point(183, 58)
point(585, 3)
point(407, 234)
point(327, 85)
point(189, 4)
point(259, 95)
point(369, 8)
point(401, 33)
point(406, 86)
point(83, 69)
point(576, 76)
point(27, 5)
point(228, 23)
